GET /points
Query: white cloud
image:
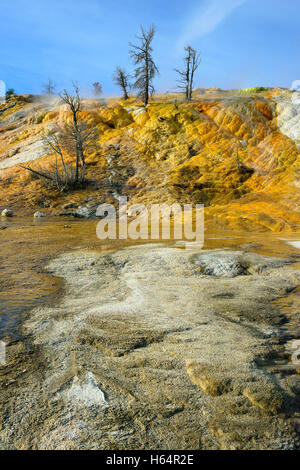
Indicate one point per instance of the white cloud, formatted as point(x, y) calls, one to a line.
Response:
point(207, 18)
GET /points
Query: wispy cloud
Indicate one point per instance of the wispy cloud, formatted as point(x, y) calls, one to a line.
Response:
point(206, 19)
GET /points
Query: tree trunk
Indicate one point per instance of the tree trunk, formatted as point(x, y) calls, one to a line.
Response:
point(125, 95)
point(79, 149)
point(191, 86)
point(77, 170)
point(187, 92)
point(147, 81)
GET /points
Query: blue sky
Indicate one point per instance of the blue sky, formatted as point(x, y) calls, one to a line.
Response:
point(243, 42)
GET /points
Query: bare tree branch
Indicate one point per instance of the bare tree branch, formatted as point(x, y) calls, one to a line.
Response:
point(43, 175)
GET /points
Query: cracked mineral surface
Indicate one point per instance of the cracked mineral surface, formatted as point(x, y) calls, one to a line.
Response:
point(155, 346)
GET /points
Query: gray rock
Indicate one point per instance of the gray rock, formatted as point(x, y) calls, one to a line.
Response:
point(221, 263)
point(86, 392)
point(84, 211)
point(7, 213)
point(13, 152)
point(81, 212)
point(39, 214)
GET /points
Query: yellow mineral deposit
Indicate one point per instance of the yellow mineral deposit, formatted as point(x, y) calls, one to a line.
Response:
point(237, 153)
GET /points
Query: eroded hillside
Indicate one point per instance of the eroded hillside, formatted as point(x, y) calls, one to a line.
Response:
point(236, 153)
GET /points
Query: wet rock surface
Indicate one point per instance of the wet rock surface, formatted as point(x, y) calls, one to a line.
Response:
point(146, 351)
point(7, 213)
point(227, 264)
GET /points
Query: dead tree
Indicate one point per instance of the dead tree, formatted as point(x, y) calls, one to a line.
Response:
point(74, 104)
point(146, 71)
point(61, 179)
point(195, 62)
point(49, 88)
point(186, 74)
point(121, 78)
point(97, 89)
point(74, 138)
point(79, 137)
point(61, 141)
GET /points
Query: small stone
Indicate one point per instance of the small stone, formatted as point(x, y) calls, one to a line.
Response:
point(7, 213)
point(86, 392)
point(39, 214)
